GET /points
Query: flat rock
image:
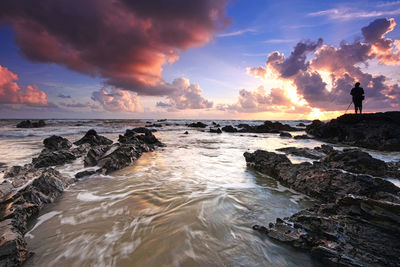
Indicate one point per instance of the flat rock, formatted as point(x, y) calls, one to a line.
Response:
point(380, 131)
point(197, 125)
point(302, 152)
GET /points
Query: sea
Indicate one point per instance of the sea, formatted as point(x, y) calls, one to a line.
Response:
point(190, 203)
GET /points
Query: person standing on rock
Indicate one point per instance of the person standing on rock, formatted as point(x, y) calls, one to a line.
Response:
point(358, 96)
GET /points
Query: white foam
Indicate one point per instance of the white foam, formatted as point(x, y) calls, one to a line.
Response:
point(41, 220)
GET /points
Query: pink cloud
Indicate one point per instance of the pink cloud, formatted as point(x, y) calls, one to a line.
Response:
point(186, 96)
point(11, 93)
point(117, 100)
point(125, 42)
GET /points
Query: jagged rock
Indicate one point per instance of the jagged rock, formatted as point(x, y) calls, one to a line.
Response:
point(84, 173)
point(326, 149)
point(380, 131)
point(133, 136)
point(356, 231)
point(215, 124)
point(317, 181)
point(217, 130)
point(356, 161)
point(30, 124)
point(20, 206)
point(302, 152)
point(56, 142)
point(94, 154)
point(53, 158)
point(285, 134)
point(198, 125)
point(229, 129)
point(92, 138)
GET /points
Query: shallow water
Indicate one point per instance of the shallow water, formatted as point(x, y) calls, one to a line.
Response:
point(191, 203)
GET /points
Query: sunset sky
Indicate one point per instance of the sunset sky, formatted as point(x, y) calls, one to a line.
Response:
point(200, 59)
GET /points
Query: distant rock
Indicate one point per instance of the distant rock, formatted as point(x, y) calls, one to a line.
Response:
point(229, 129)
point(215, 124)
point(215, 130)
point(380, 131)
point(198, 125)
point(303, 136)
point(301, 124)
point(285, 134)
point(186, 132)
point(266, 127)
point(93, 139)
point(30, 124)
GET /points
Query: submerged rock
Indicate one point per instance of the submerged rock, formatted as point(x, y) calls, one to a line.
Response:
point(285, 134)
point(198, 125)
point(215, 130)
point(30, 124)
point(380, 131)
point(229, 129)
point(267, 127)
point(302, 152)
point(93, 139)
point(302, 136)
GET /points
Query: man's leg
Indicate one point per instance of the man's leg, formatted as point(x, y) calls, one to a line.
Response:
point(360, 108)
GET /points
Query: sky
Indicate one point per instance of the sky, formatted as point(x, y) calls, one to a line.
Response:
point(198, 59)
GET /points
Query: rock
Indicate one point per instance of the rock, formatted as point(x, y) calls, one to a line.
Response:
point(285, 134)
point(134, 136)
point(215, 124)
point(217, 130)
point(94, 154)
point(326, 149)
point(53, 158)
point(267, 127)
point(355, 161)
point(318, 181)
point(198, 125)
point(29, 124)
point(186, 132)
point(84, 173)
point(56, 142)
point(303, 136)
point(156, 125)
point(302, 152)
point(92, 138)
point(13, 250)
point(22, 205)
point(301, 124)
point(354, 231)
point(380, 131)
point(229, 129)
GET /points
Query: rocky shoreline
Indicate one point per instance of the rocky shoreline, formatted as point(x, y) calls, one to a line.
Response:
point(27, 189)
point(357, 221)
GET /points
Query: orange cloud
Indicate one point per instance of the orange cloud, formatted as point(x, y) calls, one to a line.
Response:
point(11, 93)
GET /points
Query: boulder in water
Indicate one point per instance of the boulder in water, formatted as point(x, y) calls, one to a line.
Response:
point(30, 124)
point(92, 138)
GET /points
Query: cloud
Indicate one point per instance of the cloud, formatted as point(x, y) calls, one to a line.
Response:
point(11, 93)
point(323, 80)
point(117, 100)
point(78, 105)
point(258, 101)
point(125, 42)
point(279, 41)
point(63, 96)
point(186, 96)
point(382, 47)
point(350, 14)
point(236, 33)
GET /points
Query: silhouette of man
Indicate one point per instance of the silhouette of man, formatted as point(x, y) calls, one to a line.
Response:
point(358, 96)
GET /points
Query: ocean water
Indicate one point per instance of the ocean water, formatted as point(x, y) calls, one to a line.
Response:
point(191, 203)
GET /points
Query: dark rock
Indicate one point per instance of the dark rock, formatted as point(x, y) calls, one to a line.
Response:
point(266, 127)
point(380, 131)
point(186, 132)
point(94, 154)
point(217, 130)
point(134, 136)
point(162, 120)
point(229, 129)
point(215, 124)
point(318, 181)
point(285, 134)
point(56, 142)
point(198, 125)
point(302, 152)
point(22, 205)
point(303, 136)
point(30, 124)
point(326, 149)
point(84, 173)
point(301, 124)
point(53, 158)
point(92, 138)
point(356, 161)
point(356, 231)
point(156, 125)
